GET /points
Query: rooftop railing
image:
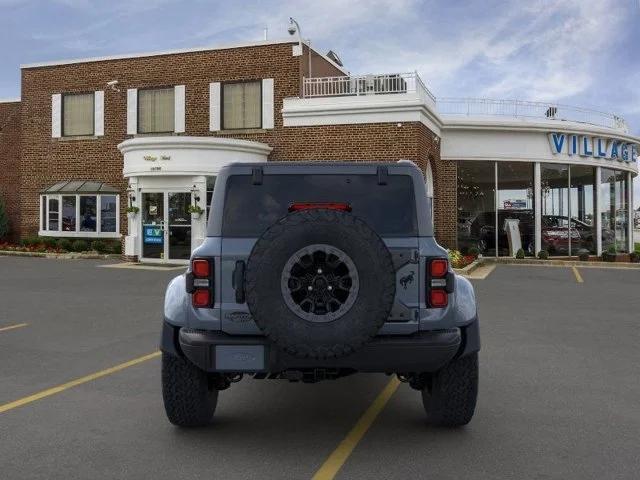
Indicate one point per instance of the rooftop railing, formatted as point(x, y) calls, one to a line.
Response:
point(394, 83)
point(529, 110)
point(403, 83)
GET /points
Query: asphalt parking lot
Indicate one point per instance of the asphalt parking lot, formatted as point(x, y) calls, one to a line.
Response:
point(559, 388)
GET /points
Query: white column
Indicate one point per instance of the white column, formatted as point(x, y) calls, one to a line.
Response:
point(199, 225)
point(131, 243)
point(630, 210)
point(537, 202)
point(179, 108)
point(56, 115)
point(98, 113)
point(598, 219)
point(132, 111)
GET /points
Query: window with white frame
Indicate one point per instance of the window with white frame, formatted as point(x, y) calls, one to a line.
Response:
point(156, 110)
point(78, 114)
point(79, 214)
point(241, 105)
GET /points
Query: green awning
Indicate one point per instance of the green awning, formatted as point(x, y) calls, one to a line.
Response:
point(80, 186)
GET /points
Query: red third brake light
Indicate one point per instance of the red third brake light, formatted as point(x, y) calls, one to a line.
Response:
point(200, 268)
point(298, 206)
point(439, 267)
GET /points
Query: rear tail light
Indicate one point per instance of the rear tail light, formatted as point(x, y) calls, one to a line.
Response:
point(199, 282)
point(298, 206)
point(439, 282)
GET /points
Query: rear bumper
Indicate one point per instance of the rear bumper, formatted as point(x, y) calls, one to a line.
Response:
point(214, 351)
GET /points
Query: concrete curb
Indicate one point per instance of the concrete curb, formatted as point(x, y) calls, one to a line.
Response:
point(563, 263)
point(61, 256)
point(471, 267)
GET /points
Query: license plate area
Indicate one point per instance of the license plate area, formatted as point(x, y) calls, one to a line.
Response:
point(240, 358)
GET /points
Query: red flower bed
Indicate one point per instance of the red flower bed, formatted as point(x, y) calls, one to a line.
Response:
point(38, 248)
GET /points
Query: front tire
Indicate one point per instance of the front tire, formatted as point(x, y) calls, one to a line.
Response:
point(449, 397)
point(190, 398)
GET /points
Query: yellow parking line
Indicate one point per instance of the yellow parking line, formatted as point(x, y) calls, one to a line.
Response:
point(577, 275)
point(74, 383)
point(334, 463)
point(11, 327)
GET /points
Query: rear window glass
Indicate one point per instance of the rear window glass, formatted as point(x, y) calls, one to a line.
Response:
point(250, 209)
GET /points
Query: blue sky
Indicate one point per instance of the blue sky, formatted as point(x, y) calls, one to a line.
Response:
point(580, 52)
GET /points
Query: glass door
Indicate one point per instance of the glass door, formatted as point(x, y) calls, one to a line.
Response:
point(153, 225)
point(179, 222)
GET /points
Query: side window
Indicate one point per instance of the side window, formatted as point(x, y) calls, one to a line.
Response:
point(77, 114)
point(242, 105)
point(156, 110)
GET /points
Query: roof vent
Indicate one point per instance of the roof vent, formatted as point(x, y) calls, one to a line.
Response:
point(333, 56)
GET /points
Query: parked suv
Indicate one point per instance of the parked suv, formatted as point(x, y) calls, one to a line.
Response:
point(316, 271)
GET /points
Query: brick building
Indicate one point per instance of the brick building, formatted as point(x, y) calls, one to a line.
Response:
point(91, 137)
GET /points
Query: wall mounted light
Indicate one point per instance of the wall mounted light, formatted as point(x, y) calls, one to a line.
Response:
point(132, 194)
point(196, 193)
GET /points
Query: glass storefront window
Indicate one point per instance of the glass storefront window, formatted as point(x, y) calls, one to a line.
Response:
point(108, 213)
point(54, 213)
point(516, 224)
point(554, 203)
point(614, 210)
point(582, 203)
point(87, 214)
point(72, 215)
point(476, 206)
point(69, 213)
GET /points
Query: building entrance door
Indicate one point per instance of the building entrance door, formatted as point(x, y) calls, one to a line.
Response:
point(166, 226)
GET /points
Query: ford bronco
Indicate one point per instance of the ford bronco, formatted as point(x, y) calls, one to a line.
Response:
point(315, 271)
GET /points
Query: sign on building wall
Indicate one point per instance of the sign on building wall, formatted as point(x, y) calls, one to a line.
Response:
point(593, 146)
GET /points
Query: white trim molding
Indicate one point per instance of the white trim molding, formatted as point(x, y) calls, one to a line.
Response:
point(389, 108)
point(183, 155)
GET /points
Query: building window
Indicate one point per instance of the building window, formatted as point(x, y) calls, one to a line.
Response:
point(108, 213)
point(156, 110)
point(614, 210)
point(516, 223)
point(477, 207)
point(78, 114)
point(54, 214)
point(78, 215)
point(242, 105)
point(69, 213)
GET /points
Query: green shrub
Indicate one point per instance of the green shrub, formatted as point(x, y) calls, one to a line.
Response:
point(635, 256)
point(99, 246)
point(79, 245)
point(543, 254)
point(65, 244)
point(48, 242)
point(611, 249)
point(116, 247)
point(583, 255)
point(474, 251)
point(520, 254)
point(29, 241)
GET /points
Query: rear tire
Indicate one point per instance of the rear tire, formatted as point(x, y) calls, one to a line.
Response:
point(449, 397)
point(189, 396)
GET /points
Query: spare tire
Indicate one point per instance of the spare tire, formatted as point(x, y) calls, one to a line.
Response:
point(320, 283)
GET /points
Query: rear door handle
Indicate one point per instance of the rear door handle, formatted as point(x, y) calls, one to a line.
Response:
point(237, 281)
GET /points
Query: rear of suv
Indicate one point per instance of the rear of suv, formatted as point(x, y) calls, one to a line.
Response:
point(316, 271)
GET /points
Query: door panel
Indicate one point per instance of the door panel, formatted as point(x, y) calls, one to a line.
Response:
point(179, 222)
point(153, 222)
